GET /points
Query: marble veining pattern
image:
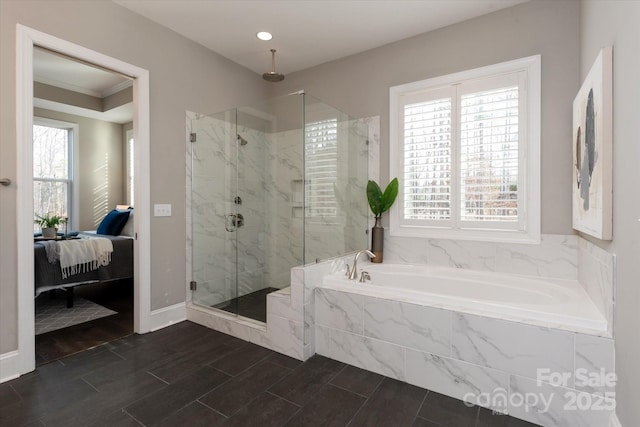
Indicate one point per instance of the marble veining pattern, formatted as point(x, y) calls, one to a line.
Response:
point(405, 250)
point(462, 254)
point(595, 364)
point(339, 310)
point(409, 325)
point(464, 381)
point(372, 355)
point(509, 346)
point(555, 256)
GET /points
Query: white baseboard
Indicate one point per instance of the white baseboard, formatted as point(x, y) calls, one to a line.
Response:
point(167, 316)
point(9, 366)
point(615, 422)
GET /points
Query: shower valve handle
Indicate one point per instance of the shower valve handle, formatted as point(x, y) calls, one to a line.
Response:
point(233, 221)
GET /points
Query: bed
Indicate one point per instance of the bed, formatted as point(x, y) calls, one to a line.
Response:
point(48, 276)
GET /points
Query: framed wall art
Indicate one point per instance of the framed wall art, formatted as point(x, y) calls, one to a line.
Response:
point(592, 150)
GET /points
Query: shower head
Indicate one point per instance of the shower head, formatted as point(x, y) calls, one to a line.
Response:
point(272, 76)
point(241, 140)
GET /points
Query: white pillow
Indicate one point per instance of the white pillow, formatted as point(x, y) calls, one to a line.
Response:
point(127, 230)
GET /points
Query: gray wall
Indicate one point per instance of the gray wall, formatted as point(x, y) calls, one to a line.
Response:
point(100, 175)
point(615, 23)
point(359, 84)
point(183, 76)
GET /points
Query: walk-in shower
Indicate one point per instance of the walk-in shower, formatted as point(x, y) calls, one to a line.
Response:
point(274, 185)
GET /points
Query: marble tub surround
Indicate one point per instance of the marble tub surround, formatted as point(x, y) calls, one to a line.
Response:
point(307, 278)
point(556, 256)
point(569, 257)
point(597, 274)
point(490, 362)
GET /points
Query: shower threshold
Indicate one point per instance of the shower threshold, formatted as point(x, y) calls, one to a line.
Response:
point(253, 305)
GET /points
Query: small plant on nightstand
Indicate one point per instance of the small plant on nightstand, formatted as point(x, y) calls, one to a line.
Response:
point(49, 224)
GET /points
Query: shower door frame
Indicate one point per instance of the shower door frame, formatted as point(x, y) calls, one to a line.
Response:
point(193, 284)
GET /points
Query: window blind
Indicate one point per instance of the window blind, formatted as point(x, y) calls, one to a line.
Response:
point(489, 155)
point(427, 160)
point(321, 164)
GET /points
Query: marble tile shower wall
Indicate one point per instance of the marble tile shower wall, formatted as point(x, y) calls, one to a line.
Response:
point(214, 180)
point(283, 214)
point(331, 236)
point(210, 205)
point(270, 241)
point(251, 174)
point(270, 182)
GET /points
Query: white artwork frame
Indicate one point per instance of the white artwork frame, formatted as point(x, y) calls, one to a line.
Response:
point(592, 150)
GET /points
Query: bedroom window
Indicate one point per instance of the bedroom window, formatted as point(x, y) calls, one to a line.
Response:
point(129, 162)
point(465, 149)
point(53, 168)
point(321, 158)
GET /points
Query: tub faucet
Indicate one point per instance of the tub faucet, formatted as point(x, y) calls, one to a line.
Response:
point(354, 270)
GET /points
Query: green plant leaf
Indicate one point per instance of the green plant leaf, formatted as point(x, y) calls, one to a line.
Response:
point(389, 195)
point(49, 221)
point(374, 195)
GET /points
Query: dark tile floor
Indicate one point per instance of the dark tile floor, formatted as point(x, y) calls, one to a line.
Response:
point(253, 305)
point(188, 375)
point(117, 296)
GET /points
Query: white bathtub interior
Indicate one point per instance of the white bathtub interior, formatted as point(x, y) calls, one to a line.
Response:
point(557, 303)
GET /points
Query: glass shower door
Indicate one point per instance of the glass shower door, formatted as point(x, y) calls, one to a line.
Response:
point(274, 185)
point(214, 214)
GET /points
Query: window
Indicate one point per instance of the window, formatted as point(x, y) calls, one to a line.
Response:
point(465, 149)
point(321, 164)
point(52, 168)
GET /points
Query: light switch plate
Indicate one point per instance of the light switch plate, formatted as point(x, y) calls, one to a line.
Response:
point(161, 210)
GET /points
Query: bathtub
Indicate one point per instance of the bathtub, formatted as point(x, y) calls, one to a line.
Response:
point(561, 304)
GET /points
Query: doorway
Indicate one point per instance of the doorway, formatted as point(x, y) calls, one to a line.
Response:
point(27, 39)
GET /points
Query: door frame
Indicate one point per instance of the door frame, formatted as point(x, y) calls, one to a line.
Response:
point(26, 38)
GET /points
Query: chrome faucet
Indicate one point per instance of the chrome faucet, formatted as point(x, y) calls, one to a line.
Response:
point(354, 270)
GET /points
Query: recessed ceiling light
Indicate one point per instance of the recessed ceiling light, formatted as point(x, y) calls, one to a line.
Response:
point(263, 35)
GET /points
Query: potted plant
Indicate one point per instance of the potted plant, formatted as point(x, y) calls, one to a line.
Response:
point(49, 224)
point(380, 202)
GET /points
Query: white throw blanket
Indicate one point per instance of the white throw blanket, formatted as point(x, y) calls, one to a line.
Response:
point(83, 255)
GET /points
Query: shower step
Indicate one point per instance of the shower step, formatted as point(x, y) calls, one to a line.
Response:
point(279, 304)
point(252, 305)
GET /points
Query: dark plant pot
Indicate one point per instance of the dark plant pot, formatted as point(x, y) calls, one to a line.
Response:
point(377, 241)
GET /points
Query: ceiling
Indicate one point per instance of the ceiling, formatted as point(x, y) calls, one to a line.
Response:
point(58, 70)
point(306, 33)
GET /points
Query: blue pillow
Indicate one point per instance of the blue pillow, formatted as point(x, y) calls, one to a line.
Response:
point(113, 223)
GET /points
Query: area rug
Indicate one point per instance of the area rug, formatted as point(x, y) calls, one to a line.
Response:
point(53, 314)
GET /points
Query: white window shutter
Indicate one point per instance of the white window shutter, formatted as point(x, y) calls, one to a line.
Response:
point(489, 147)
point(321, 164)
